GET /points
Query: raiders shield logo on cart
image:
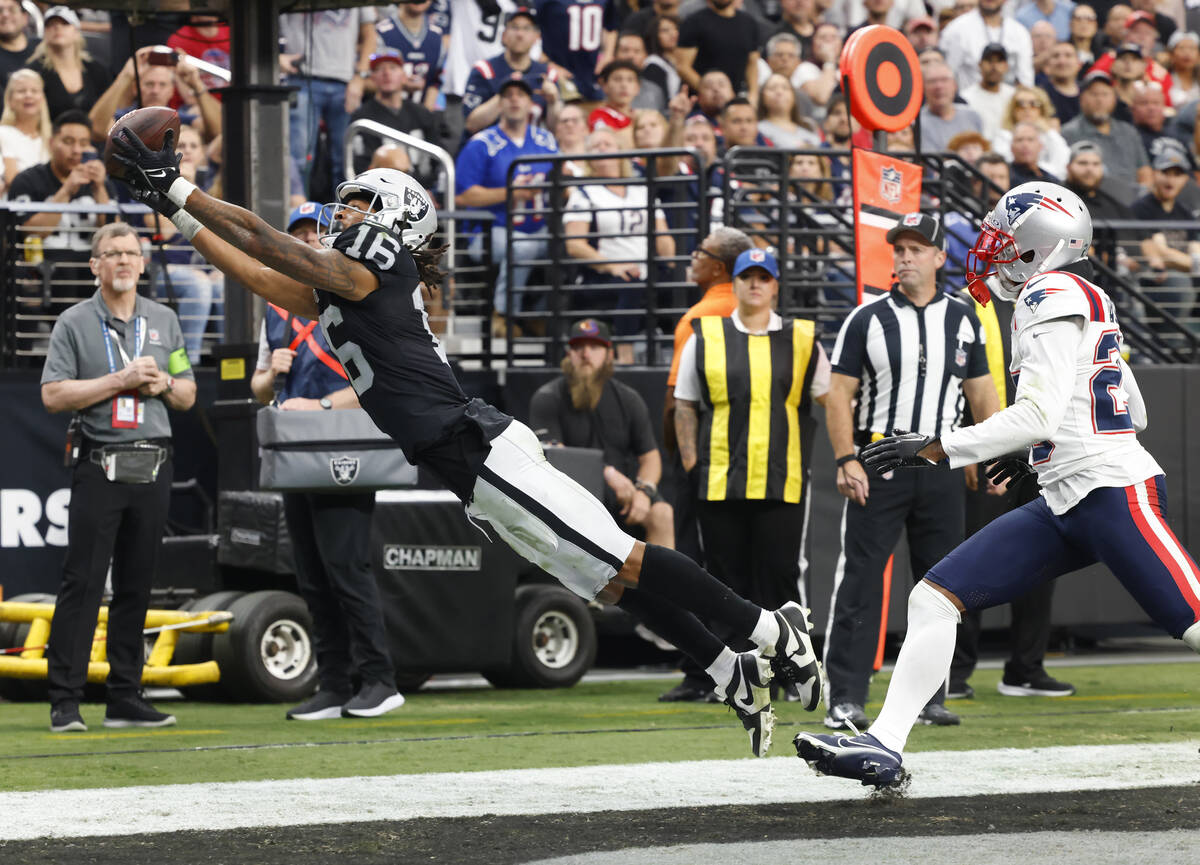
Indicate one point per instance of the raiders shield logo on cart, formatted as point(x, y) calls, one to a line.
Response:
point(344, 470)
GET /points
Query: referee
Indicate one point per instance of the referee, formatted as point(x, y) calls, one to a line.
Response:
point(907, 357)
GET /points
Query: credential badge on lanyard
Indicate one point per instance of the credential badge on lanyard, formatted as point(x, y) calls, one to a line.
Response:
point(128, 410)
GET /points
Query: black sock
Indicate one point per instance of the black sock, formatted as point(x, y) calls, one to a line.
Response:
point(671, 623)
point(674, 577)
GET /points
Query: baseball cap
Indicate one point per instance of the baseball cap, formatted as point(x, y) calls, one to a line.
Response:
point(1129, 48)
point(1096, 75)
point(1085, 146)
point(517, 80)
point(924, 224)
point(756, 258)
point(62, 12)
point(921, 21)
point(993, 49)
point(1169, 153)
point(521, 12)
point(307, 210)
point(590, 330)
point(384, 55)
point(1140, 17)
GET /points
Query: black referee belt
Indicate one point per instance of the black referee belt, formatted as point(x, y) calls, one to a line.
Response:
point(88, 445)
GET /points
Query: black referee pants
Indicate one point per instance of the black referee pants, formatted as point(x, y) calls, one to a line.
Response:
point(928, 504)
point(107, 521)
point(754, 548)
point(331, 539)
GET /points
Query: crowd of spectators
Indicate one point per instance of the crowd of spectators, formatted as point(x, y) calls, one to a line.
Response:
point(1028, 81)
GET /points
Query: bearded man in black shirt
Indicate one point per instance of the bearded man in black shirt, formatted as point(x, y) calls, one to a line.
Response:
point(369, 291)
point(588, 408)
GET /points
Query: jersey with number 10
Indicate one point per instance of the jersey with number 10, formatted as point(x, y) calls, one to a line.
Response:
point(573, 35)
point(395, 363)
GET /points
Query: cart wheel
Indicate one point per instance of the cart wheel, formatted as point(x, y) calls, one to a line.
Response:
point(267, 655)
point(408, 681)
point(198, 648)
point(554, 640)
point(12, 634)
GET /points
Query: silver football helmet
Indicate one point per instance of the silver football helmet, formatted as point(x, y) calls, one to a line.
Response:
point(397, 202)
point(1034, 228)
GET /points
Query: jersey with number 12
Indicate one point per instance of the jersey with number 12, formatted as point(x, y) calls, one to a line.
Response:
point(1096, 442)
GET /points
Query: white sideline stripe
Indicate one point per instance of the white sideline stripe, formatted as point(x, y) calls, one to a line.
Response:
point(231, 805)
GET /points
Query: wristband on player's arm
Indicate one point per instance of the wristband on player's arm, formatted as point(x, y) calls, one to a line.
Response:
point(187, 224)
point(841, 461)
point(180, 190)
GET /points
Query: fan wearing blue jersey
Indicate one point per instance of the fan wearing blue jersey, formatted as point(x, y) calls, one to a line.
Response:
point(1076, 414)
point(481, 101)
point(368, 289)
point(482, 179)
point(581, 37)
point(422, 43)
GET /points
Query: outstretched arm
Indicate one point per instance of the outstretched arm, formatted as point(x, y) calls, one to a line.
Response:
point(294, 296)
point(326, 269)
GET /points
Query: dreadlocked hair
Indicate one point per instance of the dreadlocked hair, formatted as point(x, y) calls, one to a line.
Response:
point(427, 266)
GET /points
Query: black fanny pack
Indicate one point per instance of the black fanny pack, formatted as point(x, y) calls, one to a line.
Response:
point(131, 462)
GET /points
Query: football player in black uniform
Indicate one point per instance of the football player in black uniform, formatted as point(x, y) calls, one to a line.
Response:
point(368, 291)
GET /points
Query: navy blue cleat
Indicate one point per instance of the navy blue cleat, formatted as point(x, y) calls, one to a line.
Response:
point(793, 658)
point(861, 758)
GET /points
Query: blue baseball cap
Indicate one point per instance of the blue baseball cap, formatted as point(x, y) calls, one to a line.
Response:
point(307, 210)
point(756, 258)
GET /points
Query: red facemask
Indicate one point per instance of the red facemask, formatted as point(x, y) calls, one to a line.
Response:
point(992, 247)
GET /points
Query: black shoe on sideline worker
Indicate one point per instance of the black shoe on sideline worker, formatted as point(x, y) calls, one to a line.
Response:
point(135, 712)
point(321, 706)
point(1038, 684)
point(373, 699)
point(937, 715)
point(690, 691)
point(66, 719)
point(960, 691)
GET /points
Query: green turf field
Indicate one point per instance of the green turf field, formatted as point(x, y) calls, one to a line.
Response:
point(443, 731)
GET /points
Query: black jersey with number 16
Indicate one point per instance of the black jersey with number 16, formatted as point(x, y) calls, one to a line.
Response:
point(394, 362)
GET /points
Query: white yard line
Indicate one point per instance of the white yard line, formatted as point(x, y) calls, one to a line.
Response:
point(177, 807)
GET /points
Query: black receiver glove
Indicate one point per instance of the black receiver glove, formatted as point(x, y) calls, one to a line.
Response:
point(146, 169)
point(1011, 467)
point(899, 450)
point(156, 201)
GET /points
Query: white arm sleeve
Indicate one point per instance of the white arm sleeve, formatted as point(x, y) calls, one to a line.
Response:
point(687, 381)
point(1048, 352)
point(1136, 405)
point(264, 347)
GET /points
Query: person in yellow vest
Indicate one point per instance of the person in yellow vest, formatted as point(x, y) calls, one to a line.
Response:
point(742, 419)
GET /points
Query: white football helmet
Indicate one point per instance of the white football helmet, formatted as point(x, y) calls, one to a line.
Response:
point(397, 202)
point(1034, 228)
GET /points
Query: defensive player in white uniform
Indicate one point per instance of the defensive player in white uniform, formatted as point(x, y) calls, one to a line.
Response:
point(1078, 411)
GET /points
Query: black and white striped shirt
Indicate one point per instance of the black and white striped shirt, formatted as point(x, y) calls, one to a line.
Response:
point(910, 361)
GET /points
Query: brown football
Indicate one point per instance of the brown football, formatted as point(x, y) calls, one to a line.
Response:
point(149, 124)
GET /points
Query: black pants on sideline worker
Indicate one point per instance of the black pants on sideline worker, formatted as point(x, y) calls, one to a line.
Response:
point(331, 537)
point(124, 521)
point(929, 506)
point(753, 547)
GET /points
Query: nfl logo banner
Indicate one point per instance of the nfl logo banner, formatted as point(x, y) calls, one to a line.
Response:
point(885, 188)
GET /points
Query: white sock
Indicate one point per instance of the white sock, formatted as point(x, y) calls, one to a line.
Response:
point(922, 666)
point(721, 669)
point(766, 632)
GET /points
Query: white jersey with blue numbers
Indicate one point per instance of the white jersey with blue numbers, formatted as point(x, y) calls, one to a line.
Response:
point(1077, 407)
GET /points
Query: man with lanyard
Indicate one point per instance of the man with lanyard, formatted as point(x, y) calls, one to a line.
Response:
point(331, 533)
point(907, 357)
point(118, 361)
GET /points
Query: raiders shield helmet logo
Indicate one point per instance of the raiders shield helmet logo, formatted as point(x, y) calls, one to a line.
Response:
point(344, 470)
point(416, 204)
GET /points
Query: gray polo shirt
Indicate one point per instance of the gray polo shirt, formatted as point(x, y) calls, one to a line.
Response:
point(77, 351)
point(1121, 148)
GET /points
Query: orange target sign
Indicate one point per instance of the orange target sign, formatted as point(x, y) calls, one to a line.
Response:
point(885, 84)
